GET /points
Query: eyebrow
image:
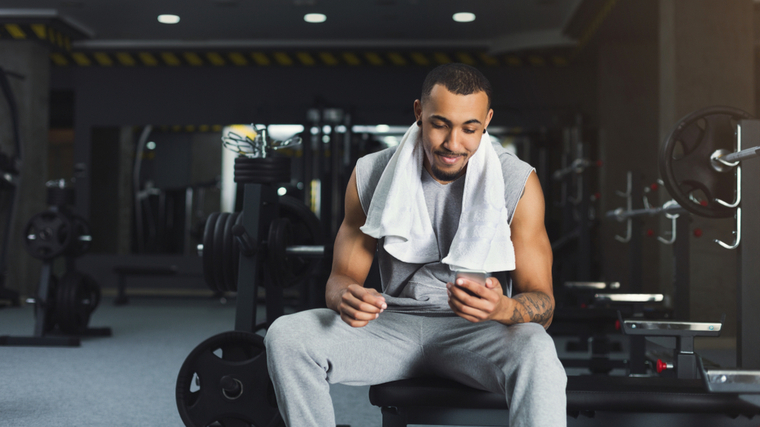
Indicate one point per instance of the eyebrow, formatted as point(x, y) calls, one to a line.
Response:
point(448, 122)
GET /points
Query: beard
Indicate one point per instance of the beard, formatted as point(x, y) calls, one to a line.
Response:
point(447, 176)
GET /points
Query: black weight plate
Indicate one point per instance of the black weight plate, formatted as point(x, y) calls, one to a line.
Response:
point(262, 180)
point(236, 354)
point(62, 303)
point(305, 230)
point(264, 173)
point(685, 164)
point(94, 293)
point(49, 305)
point(262, 161)
point(208, 251)
point(86, 296)
point(277, 260)
point(229, 265)
point(261, 166)
point(236, 254)
point(75, 302)
point(48, 235)
point(219, 251)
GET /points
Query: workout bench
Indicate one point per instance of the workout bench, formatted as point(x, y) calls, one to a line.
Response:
point(438, 401)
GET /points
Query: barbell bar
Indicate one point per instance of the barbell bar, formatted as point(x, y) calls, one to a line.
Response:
point(621, 214)
point(301, 251)
point(733, 159)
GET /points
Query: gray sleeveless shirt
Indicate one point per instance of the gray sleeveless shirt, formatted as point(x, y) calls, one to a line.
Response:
point(421, 288)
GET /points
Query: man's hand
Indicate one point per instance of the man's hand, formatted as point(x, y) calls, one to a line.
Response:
point(476, 302)
point(359, 305)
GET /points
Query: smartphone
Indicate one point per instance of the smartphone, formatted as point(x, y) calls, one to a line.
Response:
point(478, 276)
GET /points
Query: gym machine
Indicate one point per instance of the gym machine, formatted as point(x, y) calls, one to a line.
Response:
point(62, 308)
point(707, 170)
point(10, 180)
point(578, 214)
point(275, 242)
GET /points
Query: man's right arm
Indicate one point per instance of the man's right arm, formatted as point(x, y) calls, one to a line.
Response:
point(352, 258)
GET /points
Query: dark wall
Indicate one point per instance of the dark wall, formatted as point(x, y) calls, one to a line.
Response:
point(135, 96)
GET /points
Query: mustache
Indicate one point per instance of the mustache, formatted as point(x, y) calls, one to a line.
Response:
point(441, 152)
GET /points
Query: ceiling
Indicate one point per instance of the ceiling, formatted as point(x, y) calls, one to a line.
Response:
point(500, 25)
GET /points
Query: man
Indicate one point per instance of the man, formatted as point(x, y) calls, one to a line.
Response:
point(444, 200)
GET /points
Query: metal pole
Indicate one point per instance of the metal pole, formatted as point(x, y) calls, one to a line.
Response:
point(748, 286)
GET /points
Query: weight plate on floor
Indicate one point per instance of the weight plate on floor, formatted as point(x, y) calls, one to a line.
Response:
point(48, 234)
point(686, 166)
point(48, 305)
point(208, 251)
point(76, 298)
point(219, 251)
point(225, 380)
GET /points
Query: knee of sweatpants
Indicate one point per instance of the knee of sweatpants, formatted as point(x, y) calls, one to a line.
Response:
point(538, 355)
point(280, 339)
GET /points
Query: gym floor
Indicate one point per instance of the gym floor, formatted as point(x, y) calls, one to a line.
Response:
point(129, 379)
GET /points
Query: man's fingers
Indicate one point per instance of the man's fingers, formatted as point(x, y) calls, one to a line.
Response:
point(359, 304)
point(353, 322)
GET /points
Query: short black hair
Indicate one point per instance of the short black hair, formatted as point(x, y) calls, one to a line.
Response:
point(460, 79)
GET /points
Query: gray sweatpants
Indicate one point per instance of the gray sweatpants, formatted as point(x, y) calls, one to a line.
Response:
point(309, 350)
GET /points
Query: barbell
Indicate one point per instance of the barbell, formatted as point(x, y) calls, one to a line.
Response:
point(699, 158)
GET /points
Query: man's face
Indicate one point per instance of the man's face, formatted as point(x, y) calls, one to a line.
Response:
point(452, 126)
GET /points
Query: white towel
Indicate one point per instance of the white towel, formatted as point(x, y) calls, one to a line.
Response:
point(398, 212)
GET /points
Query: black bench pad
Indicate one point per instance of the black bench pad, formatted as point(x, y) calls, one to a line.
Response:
point(584, 393)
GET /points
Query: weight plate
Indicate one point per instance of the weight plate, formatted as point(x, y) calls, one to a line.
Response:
point(219, 251)
point(208, 250)
point(236, 254)
point(77, 297)
point(686, 167)
point(48, 305)
point(225, 380)
point(228, 254)
point(277, 260)
point(305, 230)
point(261, 166)
point(48, 234)
point(262, 161)
point(261, 180)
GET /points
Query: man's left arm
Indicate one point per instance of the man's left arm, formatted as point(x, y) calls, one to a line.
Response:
point(533, 299)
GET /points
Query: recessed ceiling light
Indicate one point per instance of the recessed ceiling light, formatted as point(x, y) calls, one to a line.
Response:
point(464, 17)
point(168, 19)
point(315, 18)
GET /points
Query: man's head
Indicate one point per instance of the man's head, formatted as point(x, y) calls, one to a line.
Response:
point(453, 113)
point(460, 79)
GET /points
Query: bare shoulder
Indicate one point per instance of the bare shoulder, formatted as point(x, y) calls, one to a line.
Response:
point(531, 206)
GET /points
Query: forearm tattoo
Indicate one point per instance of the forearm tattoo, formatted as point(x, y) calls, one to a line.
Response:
point(533, 307)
